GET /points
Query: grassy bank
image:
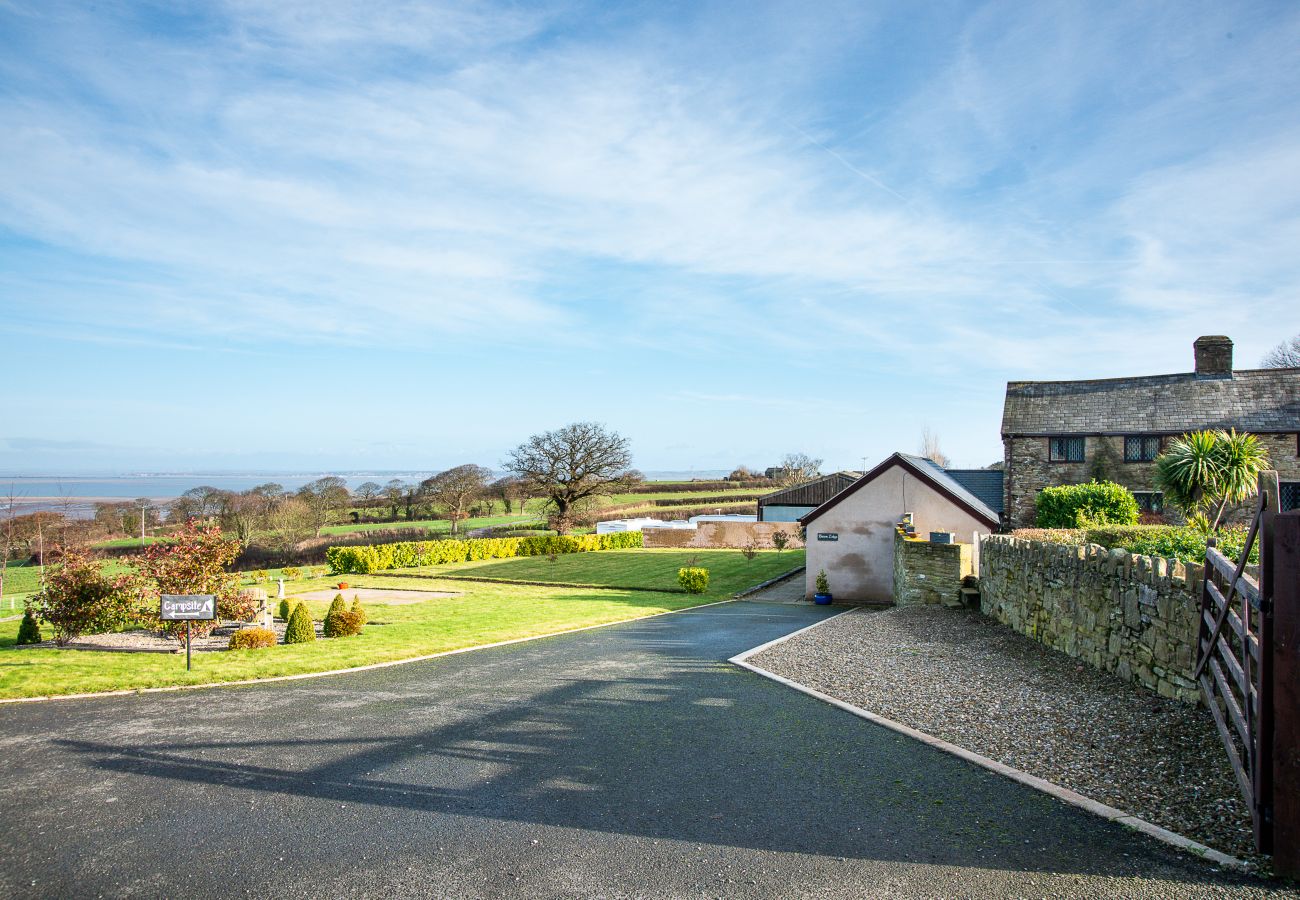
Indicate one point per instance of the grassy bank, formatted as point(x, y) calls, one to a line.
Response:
point(484, 613)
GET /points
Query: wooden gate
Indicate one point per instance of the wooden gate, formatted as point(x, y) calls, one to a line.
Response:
point(1235, 664)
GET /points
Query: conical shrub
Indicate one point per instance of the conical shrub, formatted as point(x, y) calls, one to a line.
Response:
point(300, 629)
point(335, 624)
point(358, 610)
point(29, 630)
point(285, 608)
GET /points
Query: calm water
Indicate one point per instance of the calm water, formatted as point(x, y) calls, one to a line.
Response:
point(78, 493)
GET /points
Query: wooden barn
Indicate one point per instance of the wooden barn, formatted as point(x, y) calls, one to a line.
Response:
point(792, 504)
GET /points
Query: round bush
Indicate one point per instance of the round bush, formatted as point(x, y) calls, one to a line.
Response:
point(1086, 505)
point(252, 639)
point(300, 629)
point(693, 579)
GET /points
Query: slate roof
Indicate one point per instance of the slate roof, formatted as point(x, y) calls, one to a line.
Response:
point(1259, 400)
point(922, 468)
point(986, 484)
point(813, 493)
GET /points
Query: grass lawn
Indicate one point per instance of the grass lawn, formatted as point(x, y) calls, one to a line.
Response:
point(483, 614)
point(729, 571)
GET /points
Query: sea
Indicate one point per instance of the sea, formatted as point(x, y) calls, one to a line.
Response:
point(76, 495)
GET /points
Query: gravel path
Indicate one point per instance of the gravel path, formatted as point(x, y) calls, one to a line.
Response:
point(963, 677)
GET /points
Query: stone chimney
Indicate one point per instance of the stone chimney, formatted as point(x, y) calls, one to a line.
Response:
point(1213, 355)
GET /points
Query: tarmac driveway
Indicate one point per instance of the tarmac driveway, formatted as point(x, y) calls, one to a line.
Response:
point(625, 761)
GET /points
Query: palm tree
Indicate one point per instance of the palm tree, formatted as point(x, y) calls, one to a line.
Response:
point(1209, 469)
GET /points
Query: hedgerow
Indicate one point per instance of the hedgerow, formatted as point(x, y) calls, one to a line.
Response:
point(365, 560)
point(1170, 541)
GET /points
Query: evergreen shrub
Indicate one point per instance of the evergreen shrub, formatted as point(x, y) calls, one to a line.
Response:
point(358, 610)
point(300, 629)
point(252, 639)
point(29, 630)
point(1086, 505)
point(286, 607)
point(693, 579)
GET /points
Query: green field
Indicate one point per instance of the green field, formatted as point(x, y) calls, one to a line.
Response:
point(435, 524)
point(729, 570)
point(484, 613)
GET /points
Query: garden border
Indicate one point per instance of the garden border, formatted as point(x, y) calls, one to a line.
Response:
point(382, 665)
point(1063, 794)
point(771, 581)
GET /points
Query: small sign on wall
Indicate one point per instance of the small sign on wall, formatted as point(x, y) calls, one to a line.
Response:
point(828, 536)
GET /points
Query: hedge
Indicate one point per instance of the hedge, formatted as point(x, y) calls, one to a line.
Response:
point(364, 560)
point(1086, 505)
point(1170, 541)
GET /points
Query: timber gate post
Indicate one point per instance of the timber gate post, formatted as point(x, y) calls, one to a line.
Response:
point(1286, 693)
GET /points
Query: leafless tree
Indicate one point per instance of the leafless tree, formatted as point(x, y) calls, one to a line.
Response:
point(323, 497)
point(367, 493)
point(797, 468)
point(243, 515)
point(290, 522)
point(1285, 355)
point(394, 491)
point(570, 464)
point(930, 448)
point(455, 489)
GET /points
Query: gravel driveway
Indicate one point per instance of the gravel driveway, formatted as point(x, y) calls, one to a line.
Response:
point(629, 761)
point(963, 677)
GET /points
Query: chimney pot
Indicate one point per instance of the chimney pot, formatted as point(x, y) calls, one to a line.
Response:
point(1213, 354)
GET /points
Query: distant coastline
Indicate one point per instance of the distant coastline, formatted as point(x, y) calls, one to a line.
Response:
point(76, 495)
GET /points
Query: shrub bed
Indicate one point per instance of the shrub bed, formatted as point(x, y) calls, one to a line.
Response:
point(365, 560)
point(1170, 541)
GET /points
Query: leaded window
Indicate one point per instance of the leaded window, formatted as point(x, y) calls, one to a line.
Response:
point(1141, 448)
point(1065, 449)
point(1150, 501)
point(1289, 494)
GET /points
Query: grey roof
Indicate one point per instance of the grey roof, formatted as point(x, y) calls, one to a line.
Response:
point(986, 484)
point(812, 493)
point(1260, 400)
point(953, 486)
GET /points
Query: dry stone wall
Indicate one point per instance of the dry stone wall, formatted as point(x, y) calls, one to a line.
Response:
point(723, 535)
point(926, 573)
point(1132, 615)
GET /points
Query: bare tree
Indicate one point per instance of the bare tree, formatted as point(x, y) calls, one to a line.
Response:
point(244, 514)
point(508, 490)
point(796, 469)
point(455, 489)
point(290, 522)
point(323, 497)
point(572, 464)
point(367, 493)
point(930, 448)
point(394, 491)
point(1285, 355)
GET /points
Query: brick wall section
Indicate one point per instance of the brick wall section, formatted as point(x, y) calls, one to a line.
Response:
point(926, 573)
point(723, 535)
point(1028, 469)
point(1132, 615)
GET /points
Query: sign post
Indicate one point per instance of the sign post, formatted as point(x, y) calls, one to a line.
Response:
point(187, 608)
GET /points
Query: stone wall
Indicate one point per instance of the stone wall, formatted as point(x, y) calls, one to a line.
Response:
point(929, 573)
point(723, 535)
point(1132, 615)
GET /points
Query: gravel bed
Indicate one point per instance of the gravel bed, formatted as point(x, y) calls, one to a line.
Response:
point(965, 678)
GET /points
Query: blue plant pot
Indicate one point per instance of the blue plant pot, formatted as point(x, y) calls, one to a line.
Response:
point(822, 599)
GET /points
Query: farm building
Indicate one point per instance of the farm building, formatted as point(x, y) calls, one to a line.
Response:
point(791, 504)
point(852, 535)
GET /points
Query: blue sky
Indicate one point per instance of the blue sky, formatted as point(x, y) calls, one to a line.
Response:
point(340, 235)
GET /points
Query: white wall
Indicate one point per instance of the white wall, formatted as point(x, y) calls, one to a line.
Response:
point(860, 564)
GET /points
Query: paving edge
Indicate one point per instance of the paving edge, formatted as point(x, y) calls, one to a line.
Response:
point(1065, 795)
point(211, 685)
point(771, 581)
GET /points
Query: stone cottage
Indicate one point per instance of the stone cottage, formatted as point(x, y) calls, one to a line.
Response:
point(1069, 432)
